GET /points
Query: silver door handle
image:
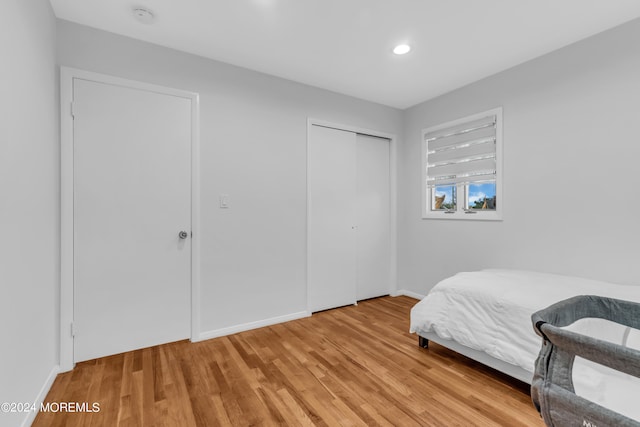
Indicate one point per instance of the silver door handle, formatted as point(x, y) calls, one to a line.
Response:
point(183, 235)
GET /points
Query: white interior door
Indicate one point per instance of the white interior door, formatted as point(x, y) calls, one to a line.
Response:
point(331, 245)
point(132, 197)
point(373, 217)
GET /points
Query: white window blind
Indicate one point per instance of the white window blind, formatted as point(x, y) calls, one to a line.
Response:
point(463, 153)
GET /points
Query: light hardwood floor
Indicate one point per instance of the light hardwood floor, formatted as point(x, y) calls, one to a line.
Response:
point(352, 366)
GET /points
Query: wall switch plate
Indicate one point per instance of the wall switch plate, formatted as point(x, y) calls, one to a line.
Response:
point(224, 201)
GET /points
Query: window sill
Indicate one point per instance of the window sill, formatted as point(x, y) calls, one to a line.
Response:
point(463, 216)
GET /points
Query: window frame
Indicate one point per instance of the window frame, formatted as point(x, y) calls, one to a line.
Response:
point(461, 213)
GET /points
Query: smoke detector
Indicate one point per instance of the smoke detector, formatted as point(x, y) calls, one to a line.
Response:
point(144, 15)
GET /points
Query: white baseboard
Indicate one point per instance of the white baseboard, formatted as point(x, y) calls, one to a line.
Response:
point(251, 325)
point(31, 415)
point(408, 294)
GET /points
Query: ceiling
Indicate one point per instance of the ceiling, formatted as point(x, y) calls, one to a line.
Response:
point(346, 45)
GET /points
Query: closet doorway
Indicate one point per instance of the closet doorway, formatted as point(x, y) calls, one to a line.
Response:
point(350, 244)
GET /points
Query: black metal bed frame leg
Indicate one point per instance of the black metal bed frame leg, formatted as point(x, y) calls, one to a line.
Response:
point(423, 342)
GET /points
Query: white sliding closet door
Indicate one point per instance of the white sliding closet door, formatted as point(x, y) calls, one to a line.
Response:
point(373, 217)
point(349, 244)
point(331, 246)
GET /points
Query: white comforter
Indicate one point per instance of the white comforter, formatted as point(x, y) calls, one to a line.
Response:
point(491, 310)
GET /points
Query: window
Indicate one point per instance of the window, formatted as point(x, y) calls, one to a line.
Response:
point(462, 167)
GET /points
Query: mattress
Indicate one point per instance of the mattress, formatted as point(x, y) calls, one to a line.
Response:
point(490, 311)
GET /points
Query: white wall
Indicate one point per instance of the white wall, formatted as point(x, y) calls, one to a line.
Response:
point(253, 147)
point(571, 152)
point(29, 200)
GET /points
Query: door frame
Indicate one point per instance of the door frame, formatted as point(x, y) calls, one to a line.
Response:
point(393, 198)
point(67, 75)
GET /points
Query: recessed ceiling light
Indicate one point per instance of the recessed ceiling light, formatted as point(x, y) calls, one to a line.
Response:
point(144, 15)
point(401, 49)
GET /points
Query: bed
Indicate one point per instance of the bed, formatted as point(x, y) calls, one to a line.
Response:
point(486, 315)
